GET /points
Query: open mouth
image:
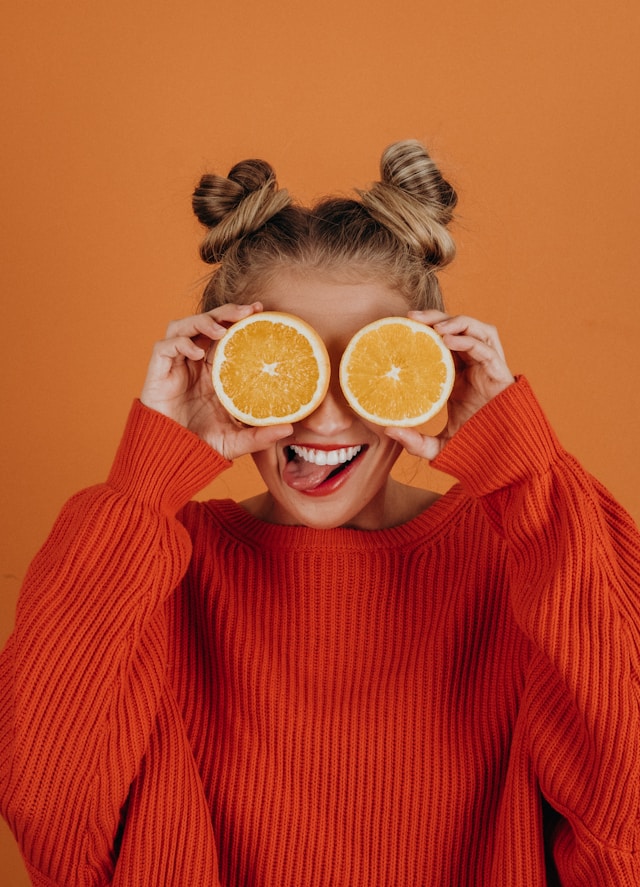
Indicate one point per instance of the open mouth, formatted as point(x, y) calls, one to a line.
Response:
point(315, 470)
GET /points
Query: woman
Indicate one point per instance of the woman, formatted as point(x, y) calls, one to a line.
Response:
point(343, 680)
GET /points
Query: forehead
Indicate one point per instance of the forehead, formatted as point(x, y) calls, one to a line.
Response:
point(336, 309)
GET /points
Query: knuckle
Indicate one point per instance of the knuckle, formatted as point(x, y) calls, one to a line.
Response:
point(159, 346)
point(172, 329)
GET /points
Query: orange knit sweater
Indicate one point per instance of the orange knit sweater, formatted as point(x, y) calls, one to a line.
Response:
point(207, 699)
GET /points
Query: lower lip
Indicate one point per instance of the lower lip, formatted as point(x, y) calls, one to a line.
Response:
point(334, 483)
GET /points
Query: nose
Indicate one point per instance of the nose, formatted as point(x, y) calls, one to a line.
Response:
point(333, 416)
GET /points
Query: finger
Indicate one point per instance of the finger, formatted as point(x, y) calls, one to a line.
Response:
point(179, 348)
point(460, 325)
point(196, 325)
point(212, 324)
point(429, 317)
point(231, 312)
point(475, 351)
point(254, 439)
point(265, 436)
point(415, 443)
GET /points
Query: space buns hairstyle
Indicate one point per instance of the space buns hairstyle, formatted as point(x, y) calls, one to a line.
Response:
point(414, 201)
point(232, 207)
point(396, 232)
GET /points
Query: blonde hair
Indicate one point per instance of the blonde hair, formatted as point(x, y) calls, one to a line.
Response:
point(396, 231)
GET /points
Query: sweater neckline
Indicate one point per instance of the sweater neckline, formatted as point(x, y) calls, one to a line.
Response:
point(433, 522)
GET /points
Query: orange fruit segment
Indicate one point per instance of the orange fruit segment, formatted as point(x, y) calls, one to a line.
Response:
point(269, 368)
point(396, 371)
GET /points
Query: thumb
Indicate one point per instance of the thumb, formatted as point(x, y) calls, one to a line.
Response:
point(416, 444)
point(255, 439)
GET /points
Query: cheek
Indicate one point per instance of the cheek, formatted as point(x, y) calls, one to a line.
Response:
point(388, 453)
point(384, 445)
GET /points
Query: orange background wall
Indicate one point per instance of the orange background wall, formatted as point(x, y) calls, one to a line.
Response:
point(112, 110)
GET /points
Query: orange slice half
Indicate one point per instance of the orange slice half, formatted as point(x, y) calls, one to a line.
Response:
point(396, 371)
point(270, 368)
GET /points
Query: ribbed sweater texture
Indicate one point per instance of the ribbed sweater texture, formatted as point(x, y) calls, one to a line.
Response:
point(194, 697)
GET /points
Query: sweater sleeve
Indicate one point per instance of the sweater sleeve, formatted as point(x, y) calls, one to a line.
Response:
point(81, 675)
point(574, 568)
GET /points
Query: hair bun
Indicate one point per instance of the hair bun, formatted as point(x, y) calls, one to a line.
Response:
point(237, 205)
point(414, 201)
point(407, 165)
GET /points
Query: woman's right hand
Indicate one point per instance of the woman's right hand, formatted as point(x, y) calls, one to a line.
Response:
point(179, 384)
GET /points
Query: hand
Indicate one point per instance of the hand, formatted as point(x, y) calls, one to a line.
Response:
point(179, 384)
point(481, 374)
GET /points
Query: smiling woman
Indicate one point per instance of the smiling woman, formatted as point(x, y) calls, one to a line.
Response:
point(301, 491)
point(344, 680)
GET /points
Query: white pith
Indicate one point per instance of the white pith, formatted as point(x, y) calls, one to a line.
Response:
point(326, 457)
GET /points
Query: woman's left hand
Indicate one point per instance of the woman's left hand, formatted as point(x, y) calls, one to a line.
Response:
point(481, 374)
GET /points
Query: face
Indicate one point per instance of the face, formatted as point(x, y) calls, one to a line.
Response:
point(334, 469)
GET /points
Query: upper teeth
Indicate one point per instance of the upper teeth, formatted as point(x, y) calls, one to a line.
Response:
point(326, 457)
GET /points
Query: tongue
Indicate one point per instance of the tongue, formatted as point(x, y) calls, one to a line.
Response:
point(301, 475)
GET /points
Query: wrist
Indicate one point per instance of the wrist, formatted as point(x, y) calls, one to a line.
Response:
point(160, 463)
point(505, 442)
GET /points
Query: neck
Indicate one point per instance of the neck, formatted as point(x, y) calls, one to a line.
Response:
point(397, 504)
